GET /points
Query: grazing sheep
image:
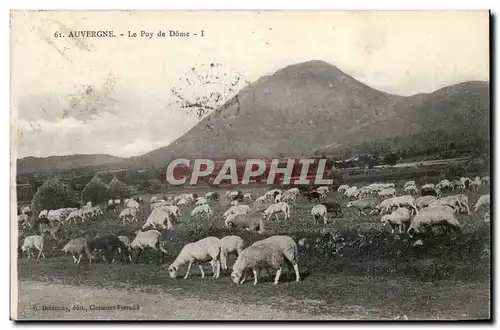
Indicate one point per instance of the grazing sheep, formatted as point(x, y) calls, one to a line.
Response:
point(128, 212)
point(229, 244)
point(388, 192)
point(158, 218)
point(182, 202)
point(444, 184)
point(250, 222)
point(432, 216)
point(288, 198)
point(342, 189)
point(233, 203)
point(202, 209)
point(362, 205)
point(201, 201)
point(107, 244)
point(174, 212)
point(457, 202)
point(401, 201)
point(206, 249)
point(457, 184)
point(484, 200)
point(424, 201)
point(149, 238)
point(257, 257)
point(34, 241)
point(323, 190)
point(409, 183)
point(352, 192)
point(159, 204)
point(43, 214)
point(288, 247)
point(319, 211)
point(313, 195)
point(248, 196)
point(132, 204)
point(260, 199)
point(334, 207)
point(78, 246)
point(277, 198)
point(281, 207)
point(399, 217)
point(411, 189)
point(237, 209)
point(74, 215)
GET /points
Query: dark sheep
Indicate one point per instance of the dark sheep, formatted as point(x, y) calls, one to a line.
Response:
point(429, 192)
point(333, 207)
point(108, 244)
point(214, 197)
point(313, 195)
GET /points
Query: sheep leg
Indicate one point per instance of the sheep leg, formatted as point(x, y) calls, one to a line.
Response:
point(74, 258)
point(79, 259)
point(189, 268)
point(223, 259)
point(218, 265)
point(254, 276)
point(276, 216)
point(324, 219)
point(297, 274)
point(29, 253)
point(39, 254)
point(400, 228)
point(202, 272)
point(277, 278)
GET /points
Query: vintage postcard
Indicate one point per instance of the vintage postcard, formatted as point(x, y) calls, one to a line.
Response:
point(250, 165)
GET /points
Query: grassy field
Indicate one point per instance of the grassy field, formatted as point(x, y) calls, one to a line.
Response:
point(352, 268)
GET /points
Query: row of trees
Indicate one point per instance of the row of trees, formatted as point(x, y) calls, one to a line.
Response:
point(54, 194)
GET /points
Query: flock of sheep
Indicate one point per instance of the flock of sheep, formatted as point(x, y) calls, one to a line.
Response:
point(415, 215)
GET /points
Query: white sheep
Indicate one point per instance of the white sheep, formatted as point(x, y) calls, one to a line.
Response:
point(288, 198)
point(278, 198)
point(400, 201)
point(424, 201)
point(150, 238)
point(319, 211)
point(236, 209)
point(228, 244)
point(206, 249)
point(158, 218)
point(182, 202)
point(201, 201)
point(250, 222)
point(444, 184)
point(248, 196)
point(202, 209)
point(454, 201)
point(429, 186)
point(78, 246)
point(485, 180)
point(409, 183)
point(43, 214)
point(362, 205)
point(342, 189)
point(432, 216)
point(484, 200)
point(260, 199)
point(288, 247)
point(257, 257)
point(234, 203)
point(323, 190)
point(411, 189)
point(157, 204)
point(351, 192)
point(128, 212)
point(35, 241)
point(132, 204)
point(281, 207)
point(399, 217)
point(387, 192)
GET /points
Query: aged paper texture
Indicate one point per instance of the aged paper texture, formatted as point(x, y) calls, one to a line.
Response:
point(250, 165)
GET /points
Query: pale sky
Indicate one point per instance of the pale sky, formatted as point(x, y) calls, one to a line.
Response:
point(132, 110)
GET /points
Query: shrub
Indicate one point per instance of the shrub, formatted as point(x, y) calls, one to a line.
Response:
point(52, 195)
point(118, 189)
point(95, 191)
